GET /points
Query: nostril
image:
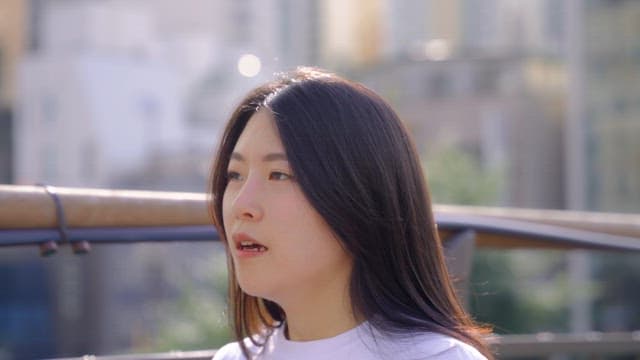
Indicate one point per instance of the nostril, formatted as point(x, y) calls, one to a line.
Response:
point(247, 210)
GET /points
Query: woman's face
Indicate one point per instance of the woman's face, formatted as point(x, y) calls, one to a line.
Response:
point(279, 244)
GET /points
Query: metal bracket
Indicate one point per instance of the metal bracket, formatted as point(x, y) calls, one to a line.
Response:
point(50, 247)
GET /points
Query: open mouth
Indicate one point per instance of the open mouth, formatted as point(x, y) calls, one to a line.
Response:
point(251, 247)
point(247, 245)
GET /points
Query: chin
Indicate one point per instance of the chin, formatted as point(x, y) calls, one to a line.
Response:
point(255, 287)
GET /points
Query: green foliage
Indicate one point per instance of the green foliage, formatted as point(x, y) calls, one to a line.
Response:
point(616, 303)
point(455, 177)
point(197, 319)
point(517, 299)
point(528, 291)
point(506, 289)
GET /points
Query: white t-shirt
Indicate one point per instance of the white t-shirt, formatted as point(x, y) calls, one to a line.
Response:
point(357, 344)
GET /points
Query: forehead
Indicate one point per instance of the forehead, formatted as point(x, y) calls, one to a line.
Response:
point(260, 135)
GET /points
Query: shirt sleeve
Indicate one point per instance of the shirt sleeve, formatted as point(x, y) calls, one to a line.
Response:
point(431, 346)
point(460, 351)
point(230, 351)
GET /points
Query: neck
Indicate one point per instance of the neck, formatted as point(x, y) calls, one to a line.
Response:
point(319, 312)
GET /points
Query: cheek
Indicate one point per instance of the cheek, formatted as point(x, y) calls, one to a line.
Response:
point(294, 214)
point(308, 235)
point(226, 211)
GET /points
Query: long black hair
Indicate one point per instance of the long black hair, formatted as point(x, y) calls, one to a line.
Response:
point(358, 167)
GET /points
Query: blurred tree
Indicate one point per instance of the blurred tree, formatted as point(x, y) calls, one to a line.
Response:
point(456, 177)
point(501, 292)
point(197, 320)
point(517, 300)
point(616, 303)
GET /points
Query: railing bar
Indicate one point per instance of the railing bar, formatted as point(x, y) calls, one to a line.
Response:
point(585, 343)
point(482, 225)
point(110, 235)
point(537, 231)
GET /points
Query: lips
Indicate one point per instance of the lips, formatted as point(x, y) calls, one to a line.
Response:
point(246, 245)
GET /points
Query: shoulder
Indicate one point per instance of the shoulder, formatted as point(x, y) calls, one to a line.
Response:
point(431, 346)
point(230, 351)
point(440, 347)
point(233, 351)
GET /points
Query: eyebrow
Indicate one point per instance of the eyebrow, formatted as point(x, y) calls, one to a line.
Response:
point(268, 157)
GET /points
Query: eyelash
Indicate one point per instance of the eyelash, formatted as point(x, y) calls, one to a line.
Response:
point(274, 175)
point(279, 174)
point(233, 176)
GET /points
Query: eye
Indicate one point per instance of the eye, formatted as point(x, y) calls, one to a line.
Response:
point(279, 175)
point(233, 176)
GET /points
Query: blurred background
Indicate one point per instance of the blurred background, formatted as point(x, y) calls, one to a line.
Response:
point(518, 103)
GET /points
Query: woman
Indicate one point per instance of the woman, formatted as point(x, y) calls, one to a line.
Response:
point(320, 200)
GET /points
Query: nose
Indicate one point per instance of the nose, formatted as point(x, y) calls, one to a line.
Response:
point(247, 203)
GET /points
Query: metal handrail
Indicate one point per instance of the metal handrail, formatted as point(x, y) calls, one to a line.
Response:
point(26, 212)
point(547, 344)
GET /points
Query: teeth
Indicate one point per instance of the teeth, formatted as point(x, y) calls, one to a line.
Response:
point(251, 246)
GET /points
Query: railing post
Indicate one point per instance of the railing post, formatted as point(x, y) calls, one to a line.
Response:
point(458, 250)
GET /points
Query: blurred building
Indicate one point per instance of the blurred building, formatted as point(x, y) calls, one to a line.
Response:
point(25, 308)
point(512, 25)
point(602, 125)
point(85, 120)
point(611, 105)
point(130, 94)
point(13, 40)
point(351, 32)
point(492, 107)
point(96, 102)
point(486, 77)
